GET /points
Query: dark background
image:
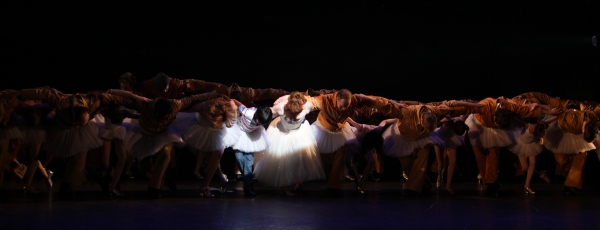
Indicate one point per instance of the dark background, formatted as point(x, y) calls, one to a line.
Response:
point(417, 50)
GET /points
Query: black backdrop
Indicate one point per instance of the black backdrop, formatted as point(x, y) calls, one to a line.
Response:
point(412, 50)
point(419, 50)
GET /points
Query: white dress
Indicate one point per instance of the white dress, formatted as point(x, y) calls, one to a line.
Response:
point(196, 132)
point(524, 144)
point(291, 156)
point(396, 145)
point(253, 138)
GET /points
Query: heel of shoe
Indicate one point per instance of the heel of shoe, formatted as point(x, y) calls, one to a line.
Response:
point(205, 192)
point(528, 191)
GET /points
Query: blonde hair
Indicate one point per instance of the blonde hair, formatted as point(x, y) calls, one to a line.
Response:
point(219, 111)
point(295, 103)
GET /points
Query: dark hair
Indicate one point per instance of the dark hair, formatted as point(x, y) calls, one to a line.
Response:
point(590, 132)
point(128, 77)
point(161, 81)
point(312, 92)
point(502, 118)
point(115, 113)
point(238, 95)
point(31, 117)
point(263, 114)
point(372, 140)
point(78, 111)
point(460, 127)
point(572, 105)
point(344, 94)
point(162, 107)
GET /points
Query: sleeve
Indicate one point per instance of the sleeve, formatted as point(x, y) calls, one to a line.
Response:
point(183, 103)
point(47, 96)
point(251, 94)
point(316, 102)
point(520, 110)
point(194, 85)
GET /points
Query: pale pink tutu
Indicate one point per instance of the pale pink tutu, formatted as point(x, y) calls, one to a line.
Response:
point(328, 142)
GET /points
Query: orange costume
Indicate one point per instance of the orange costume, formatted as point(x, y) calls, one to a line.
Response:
point(332, 132)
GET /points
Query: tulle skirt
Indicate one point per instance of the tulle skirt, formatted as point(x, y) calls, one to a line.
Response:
point(396, 145)
point(108, 130)
point(328, 142)
point(196, 132)
point(596, 143)
point(255, 141)
point(522, 146)
point(72, 141)
point(141, 144)
point(485, 137)
point(290, 158)
point(10, 132)
point(446, 138)
point(561, 142)
point(33, 135)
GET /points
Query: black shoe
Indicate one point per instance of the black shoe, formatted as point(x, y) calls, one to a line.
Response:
point(410, 193)
point(65, 190)
point(572, 191)
point(249, 192)
point(333, 192)
point(153, 193)
point(492, 189)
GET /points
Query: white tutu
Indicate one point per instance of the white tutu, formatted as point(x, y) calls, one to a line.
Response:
point(66, 142)
point(290, 158)
point(197, 133)
point(141, 144)
point(446, 138)
point(10, 132)
point(33, 135)
point(485, 137)
point(396, 145)
point(328, 141)
point(561, 142)
point(107, 130)
point(523, 143)
point(255, 141)
point(596, 143)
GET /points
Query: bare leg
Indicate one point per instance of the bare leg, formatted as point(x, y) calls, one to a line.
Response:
point(120, 151)
point(366, 171)
point(451, 164)
point(214, 158)
point(31, 152)
point(106, 154)
point(439, 156)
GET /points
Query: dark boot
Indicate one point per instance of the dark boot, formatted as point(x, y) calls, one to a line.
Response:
point(248, 187)
point(66, 191)
point(170, 176)
point(153, 193)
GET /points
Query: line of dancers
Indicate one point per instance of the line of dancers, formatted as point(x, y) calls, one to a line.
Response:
point(302, 136)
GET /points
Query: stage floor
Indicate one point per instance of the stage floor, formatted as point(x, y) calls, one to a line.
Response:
point(383, 207)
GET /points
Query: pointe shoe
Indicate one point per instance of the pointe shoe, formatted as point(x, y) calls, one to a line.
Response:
point(404, 176)
point(198, 175)
point(49, 180)
point(29, 190)
point(528, 191)
point(115, 192)
point(205, 192)
point(359, 186)
point(449, 191)
point(130, 175)
point(479, 179)
point(348, 178)
point(544, 177)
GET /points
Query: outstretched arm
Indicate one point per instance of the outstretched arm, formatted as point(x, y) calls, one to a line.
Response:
point(129, 95)
point(388, 121)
